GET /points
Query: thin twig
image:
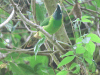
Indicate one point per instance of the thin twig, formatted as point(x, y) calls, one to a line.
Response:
point(69, 3)
point(98, 29)
point(86, 1)
point(89, 10)
point(3, 9)
point(29, 29)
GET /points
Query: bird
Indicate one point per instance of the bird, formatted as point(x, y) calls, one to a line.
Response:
point(51, 24)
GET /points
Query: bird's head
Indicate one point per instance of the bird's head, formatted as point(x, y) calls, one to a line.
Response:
point(57, 15)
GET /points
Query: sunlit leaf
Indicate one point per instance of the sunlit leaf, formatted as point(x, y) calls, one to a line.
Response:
point(88, 57)
point(63, 72)
point(88, 60)
point(86, 20)
point(66, 60)
point(73, 65)
point(77, 70)
point(85, 17)
point(80, 50)
point(68, 53)
point(90, 47)
point(94, 38)
point(79, 41)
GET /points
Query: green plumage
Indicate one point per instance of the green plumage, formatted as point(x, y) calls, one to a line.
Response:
point(52, 23)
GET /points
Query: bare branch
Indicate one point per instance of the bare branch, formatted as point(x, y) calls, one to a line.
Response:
point(27, 51)
point(89, 10)
point(69, 3)
point(86, 1)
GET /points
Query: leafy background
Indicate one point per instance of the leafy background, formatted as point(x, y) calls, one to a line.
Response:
point(15, 39)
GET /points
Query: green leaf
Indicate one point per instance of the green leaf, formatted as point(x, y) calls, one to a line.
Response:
point(88, 57)
point(17, 36)
point(66, 60)
point(88, 60)
point(84, 17)
point(80, 50)
point(78, 41)
point(15, 42)
point(77, 70)
point(94, 38)
point(63, 72)
point(38, 44)
point(90, 47)
point(1, 62)
point(97, 2)
point(73, 65)
point(39, 59)
point(26, 67)
point(8, 73)
point(93, 66)
point(16, 69)
point(68, 53)
point(16, 57)
point(40, 12)
point(86, 20)
point(2, 45)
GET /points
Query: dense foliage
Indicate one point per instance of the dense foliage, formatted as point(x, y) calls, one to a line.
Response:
point(76, 54)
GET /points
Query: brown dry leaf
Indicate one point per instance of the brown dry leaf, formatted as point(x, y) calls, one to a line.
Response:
point(76, 11)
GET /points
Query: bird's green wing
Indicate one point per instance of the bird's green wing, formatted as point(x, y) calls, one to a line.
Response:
point(45, 22)
point(53, 23)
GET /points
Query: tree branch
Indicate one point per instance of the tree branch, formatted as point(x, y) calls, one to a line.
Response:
point(28, 51)
point(49, 37)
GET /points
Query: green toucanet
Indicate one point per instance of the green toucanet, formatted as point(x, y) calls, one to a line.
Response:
point(52, 23)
